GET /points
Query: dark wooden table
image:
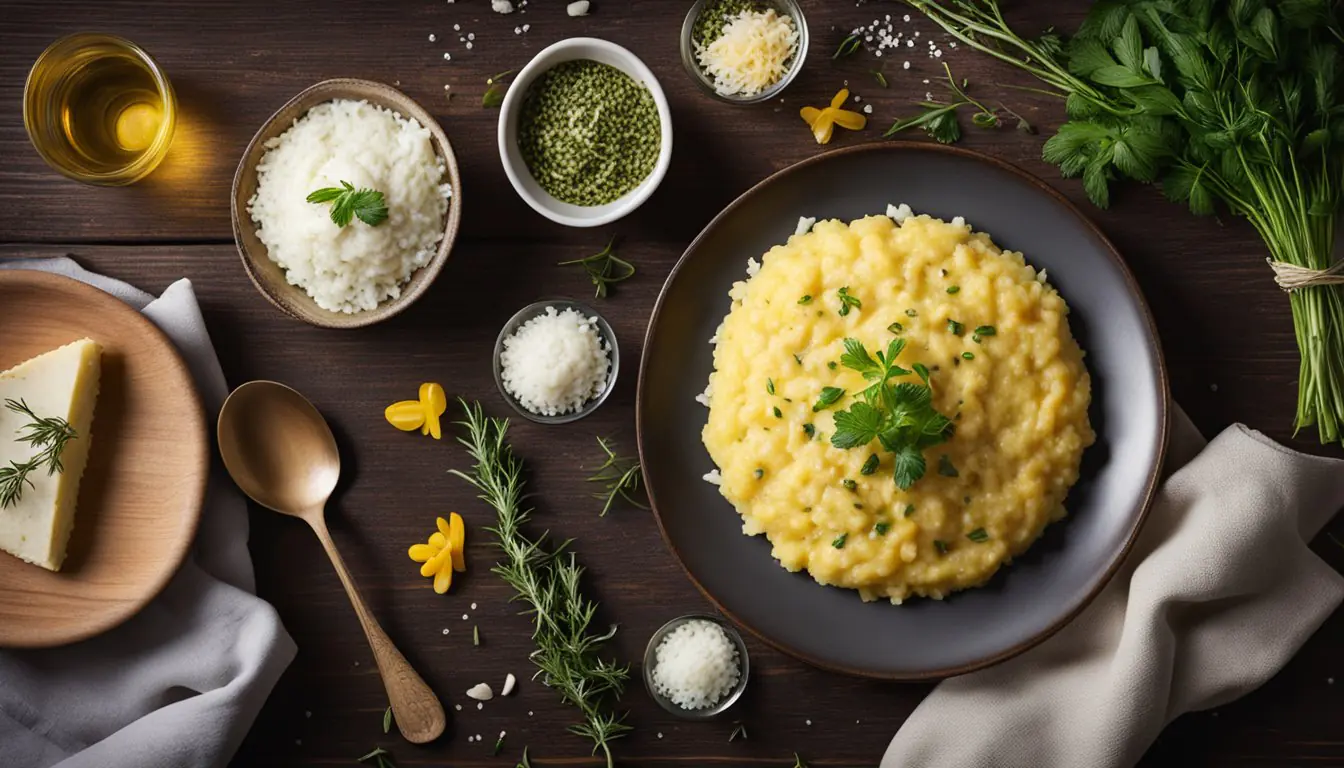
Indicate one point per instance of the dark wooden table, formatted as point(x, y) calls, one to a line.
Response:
point(1226, 331)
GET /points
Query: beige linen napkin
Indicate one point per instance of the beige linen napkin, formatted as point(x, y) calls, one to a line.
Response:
point(1218, 593)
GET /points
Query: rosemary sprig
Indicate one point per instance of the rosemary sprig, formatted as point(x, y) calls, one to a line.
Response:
point(620, 476)
point(381, 758)
point(524, 763)
point(605, 268)
point(939, 118)
point(546, 579)
point(48, 436)
point(740, 730)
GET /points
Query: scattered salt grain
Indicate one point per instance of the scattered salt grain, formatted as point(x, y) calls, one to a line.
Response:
point(465, 617)
point(471, 35)
point(696, 665)
point(473, 606)
point(457, 27)
point(905, 65)
point(867, 109)
point(469, 45)
point(307, 713)
point(480, 705)
point(458, 707)
point(579, 8)
point(445, 630)
point(529, 713)
point(804, 224)
point(447, 56)
point(899, 213)
point(526, 27)
point(555, 362)
point(809, 723)
point(432, 37)
point(660, 734)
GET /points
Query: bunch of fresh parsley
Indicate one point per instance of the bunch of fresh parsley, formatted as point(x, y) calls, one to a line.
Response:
point(1224, 102)
point(899, 416)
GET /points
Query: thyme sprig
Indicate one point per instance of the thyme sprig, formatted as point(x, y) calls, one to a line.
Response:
point(547, 580)
point(48, 436)
point(605, 268)
point(620, 477)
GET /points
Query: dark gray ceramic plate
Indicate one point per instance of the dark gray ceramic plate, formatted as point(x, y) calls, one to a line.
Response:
point(1028, 600)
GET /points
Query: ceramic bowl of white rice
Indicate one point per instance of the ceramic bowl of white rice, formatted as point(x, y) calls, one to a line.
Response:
point(370, 136)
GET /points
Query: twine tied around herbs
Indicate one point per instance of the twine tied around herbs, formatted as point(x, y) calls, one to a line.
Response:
point(1291, 277)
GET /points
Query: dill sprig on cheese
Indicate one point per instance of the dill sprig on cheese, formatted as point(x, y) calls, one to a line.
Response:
point(48, 436)
point(547, 580)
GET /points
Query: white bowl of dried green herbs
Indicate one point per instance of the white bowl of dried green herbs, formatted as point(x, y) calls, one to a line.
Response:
point(585, 132)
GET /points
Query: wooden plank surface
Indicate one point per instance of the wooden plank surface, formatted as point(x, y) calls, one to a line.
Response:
point(1225, 328)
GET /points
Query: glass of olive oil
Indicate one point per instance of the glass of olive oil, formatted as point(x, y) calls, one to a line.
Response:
point(98, 109)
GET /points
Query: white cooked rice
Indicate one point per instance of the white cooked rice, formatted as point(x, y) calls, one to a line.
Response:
point(353, 268)
point(696, 665)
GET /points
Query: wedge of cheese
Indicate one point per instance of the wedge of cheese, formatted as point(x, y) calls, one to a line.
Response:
point(62, 383)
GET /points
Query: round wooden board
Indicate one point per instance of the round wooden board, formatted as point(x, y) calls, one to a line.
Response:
point(141, 494)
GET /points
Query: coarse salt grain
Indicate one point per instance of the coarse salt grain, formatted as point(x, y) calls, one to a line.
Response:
point(555, 362)
point(696, 665)
point(579, 8)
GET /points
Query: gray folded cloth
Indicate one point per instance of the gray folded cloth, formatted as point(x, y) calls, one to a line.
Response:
point(178, 685)
point(1218, 593)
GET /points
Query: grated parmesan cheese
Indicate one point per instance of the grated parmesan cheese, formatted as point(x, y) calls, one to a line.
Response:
point(555, 362)
point(751, 54)
point(696, 665)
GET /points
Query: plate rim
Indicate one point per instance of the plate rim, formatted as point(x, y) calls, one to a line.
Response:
point(126, 609)
point(1159, 374)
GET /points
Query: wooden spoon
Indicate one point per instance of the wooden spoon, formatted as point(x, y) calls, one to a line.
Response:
point(281, 453)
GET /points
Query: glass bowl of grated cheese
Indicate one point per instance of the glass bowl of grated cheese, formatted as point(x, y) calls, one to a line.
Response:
point(556, 361)
point(744, 51)
point(696, 666)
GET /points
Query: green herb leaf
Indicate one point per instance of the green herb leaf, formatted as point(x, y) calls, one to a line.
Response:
point(882, 528)
point(881, 78)
point(967, 355)
point(620, 478)
point(909, 466)
point(954, 289)
point(940, 545)
point(368, 205)
point(954, 327)
point(810, 430)
point(909, 510)
point(979, 536)
point(985, 330)
point(945, 466)
point(857, 426)
point(839, 541)
point(869, 466)
point(495, 90)
point(848, 300)
point(604, 268)
point(847, 47)
point(805, 300)
point(922, 372)
point(896, 328)
point(911, 313)
point(778, 413)
point(829, 396)
point(387, 720)
point(770, 386)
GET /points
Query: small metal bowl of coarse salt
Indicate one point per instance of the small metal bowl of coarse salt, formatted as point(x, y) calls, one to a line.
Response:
point(769, 26)
point(696, 666)
point(556, 361)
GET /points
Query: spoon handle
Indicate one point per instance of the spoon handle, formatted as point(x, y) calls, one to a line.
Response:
point(419, 715)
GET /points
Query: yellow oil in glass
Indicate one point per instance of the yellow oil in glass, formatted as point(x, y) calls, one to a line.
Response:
point(98, 109)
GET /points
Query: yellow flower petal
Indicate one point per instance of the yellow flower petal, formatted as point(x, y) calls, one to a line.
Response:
point(840, 98)
point(423, 553)
point(823, 128)
point(428, 570)
point(438, 540)
point(443, 527)
point(443, 580)
point(457, 542)
point(407, 415)
point(850, 120)
point(810, 115)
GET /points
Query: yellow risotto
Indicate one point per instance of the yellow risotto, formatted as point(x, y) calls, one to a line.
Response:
point(1002, 365)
